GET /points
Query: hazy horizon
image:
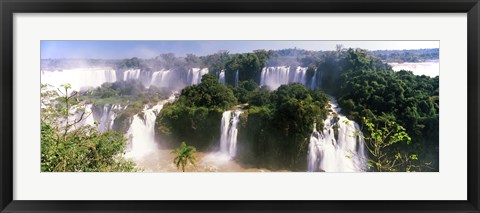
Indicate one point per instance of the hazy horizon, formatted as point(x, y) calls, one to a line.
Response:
point(105, 50)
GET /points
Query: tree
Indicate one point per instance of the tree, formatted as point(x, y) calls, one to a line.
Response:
point(263, 56)
point(382, 144)
point(67, 145)
point(192, 60)
point(184, 155)
point(209, 93)
point(338, 48)
point(196, 112)
point(132, 63)
point(248, 66)
point(245, 90)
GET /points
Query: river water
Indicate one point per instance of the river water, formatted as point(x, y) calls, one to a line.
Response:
point(431, 68)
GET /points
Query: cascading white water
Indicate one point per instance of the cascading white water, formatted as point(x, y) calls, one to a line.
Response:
point(221, 77)
point(142, 76)
point(107, 117)
point(177, 79)
point(229, 131)
point(133, 74)
point(195, 75)
point(79, 78)
point(102, 119)
point(86, 78)
point(141, 134)
point(342, 154)
point(313, 83)
point(81, 116)
point(89, 117)
point(273, 77)
point(236, 78)
point(164, 78)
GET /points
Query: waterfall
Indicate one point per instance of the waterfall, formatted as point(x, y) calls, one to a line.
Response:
point(85, 78)
point(133, 74)
point(229, 131)
point(175, 79)
point(221, 77)
point(142, 76)
point(101, 117)
point(79, 78)
point(107, 116)
point(195, 75)
point(88, 117)
point(273, 77)
point(346, 153)
point(78, 116)
point(313, 83)
point(236, 78)
point(164, 78)
point(141, 134)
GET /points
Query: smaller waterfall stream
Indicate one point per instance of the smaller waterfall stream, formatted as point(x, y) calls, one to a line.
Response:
point(236, 78)
point(141, 134)
point(132, 74)
point(221, 77)
point(228, 142)
point(195, 75)
point(344, 153)
point(163, 78)
point(108, 115)
point(229, 132)
point(313, 83)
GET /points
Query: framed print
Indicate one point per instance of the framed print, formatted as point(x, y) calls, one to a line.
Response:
point(239, 106)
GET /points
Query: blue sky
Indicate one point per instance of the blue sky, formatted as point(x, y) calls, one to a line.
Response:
point(150, 49)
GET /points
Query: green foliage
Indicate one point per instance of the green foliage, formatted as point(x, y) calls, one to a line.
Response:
point(68, 147)
point(131, 94)
point(209, 93)
point(178, 122)
point(124, 92)
point(197, 113)
point(259, 97)
point(248, 65)
point(216, 61)
point(275, 135)
point(184, 156)
point(132, 63)
point(385, 151)
point(409, 100)
point(244, 90)
point(336, 64)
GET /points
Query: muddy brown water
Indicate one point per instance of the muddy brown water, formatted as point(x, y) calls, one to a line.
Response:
point(162, 161)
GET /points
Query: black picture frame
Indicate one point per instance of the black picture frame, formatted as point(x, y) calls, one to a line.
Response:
point(9, 7)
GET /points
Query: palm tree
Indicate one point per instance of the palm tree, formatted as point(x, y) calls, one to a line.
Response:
point(185, 155)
